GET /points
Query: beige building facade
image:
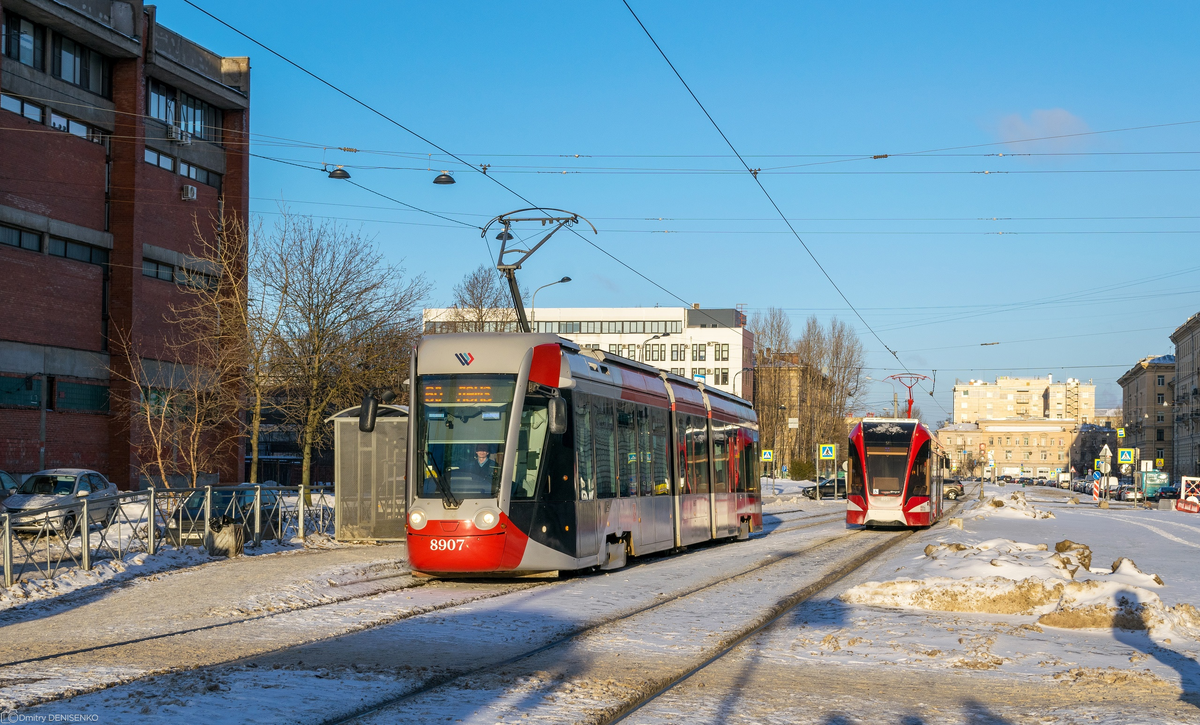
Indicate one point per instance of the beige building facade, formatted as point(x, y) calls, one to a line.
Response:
point(1024, 398)
point(1034, 448)
point(1147, 399)
point(1186, 408)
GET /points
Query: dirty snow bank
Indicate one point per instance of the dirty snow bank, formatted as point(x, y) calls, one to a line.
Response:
point(73, 579)
point(1002, 576)
point(1009, 506)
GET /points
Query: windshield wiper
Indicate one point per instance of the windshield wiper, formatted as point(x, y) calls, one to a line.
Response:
point(448, 497)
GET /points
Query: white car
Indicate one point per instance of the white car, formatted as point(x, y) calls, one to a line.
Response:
point(59, 486)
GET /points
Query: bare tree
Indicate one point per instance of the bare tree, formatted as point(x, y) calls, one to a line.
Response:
point(482, 303)
point(348, 322)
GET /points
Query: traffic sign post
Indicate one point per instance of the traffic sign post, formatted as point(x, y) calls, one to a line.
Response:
point(768, 456)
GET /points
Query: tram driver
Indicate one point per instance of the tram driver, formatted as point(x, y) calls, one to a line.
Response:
point(483, 468)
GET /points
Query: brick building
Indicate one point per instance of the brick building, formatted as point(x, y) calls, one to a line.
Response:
point(116, 135)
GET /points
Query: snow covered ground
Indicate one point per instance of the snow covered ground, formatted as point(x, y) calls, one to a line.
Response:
point(996, 622)
point(1036, 610)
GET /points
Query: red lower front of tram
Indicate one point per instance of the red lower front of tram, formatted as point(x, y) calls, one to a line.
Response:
point(459, 546)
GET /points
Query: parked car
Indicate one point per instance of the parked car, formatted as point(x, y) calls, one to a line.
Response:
point(1127, 492)
point(234, 504)
point(58, 486)
point(952, 489)
point(1165, 493)
point(8, 485)
point(827, 489)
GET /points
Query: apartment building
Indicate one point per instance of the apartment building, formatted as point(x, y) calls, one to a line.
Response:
point(1147, 400)
point(1035, 447)
point(1024, 398)
point(1185, 425)
point(118, 135)
point(709, 345)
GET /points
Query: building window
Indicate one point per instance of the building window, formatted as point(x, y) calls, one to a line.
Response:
point(1160, 418)
point(721, 376)
point(1045, 456)
point(966, 393)
point(161, 102)
point(32, 111)
point(1158, 453)
point(720, 352)
point(699, 352)
point(80, 65)
point(1008, 455)
point(679, 353)
point(1160, 434)
point(1162, 380)
point(162, 161)
point(23, 40)
point(75, 128)
point(591, 327)
point(212, 178)
point(22, 238)
point(1161, 399)
point(78, 251)
point(158, 270)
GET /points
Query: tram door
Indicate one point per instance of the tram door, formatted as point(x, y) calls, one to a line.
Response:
point(725, 505)
point(692, 460)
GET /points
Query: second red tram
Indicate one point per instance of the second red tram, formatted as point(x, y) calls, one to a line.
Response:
point(895, 474)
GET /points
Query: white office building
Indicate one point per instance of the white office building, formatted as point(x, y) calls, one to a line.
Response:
point(709, 345)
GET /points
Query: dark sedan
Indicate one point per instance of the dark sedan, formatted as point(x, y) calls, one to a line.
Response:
point(229, 505)
point(1165, 493)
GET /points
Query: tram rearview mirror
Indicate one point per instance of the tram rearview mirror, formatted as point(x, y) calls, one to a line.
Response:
point(558, 416)
point(367, 412)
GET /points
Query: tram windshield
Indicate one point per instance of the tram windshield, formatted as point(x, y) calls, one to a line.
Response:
point(462, 422)
point(886, 446)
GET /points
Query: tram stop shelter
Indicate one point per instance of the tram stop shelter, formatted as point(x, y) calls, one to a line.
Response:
point(369, 493)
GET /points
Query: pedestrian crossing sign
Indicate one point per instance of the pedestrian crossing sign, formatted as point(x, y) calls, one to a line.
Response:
point(768, 455)
point(828, 452)
point(1124, 455)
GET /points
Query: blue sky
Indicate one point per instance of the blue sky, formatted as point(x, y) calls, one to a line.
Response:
point(1081, 272)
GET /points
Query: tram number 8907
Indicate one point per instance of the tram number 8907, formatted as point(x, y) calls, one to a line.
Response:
point(447, 544)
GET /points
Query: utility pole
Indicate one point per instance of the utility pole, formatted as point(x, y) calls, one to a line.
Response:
point(895, 404)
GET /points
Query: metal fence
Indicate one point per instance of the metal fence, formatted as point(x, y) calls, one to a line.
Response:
point(43, 542)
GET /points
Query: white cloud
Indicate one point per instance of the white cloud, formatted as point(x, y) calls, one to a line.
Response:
point(1043, 124)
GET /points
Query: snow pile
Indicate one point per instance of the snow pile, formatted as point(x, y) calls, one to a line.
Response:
point(69, 580)
point(1012, 506)
point(1002, 576)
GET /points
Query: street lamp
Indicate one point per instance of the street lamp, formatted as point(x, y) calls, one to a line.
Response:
point(652, 339)
point(733, 385)
point(533, 300)
point(339, 173)
point(443, 179)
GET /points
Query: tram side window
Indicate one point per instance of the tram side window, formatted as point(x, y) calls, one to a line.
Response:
point(606, 447)
point(645, 452)
point(681, 453)
point(584, 453)
point(737, 442)
point(854, 476)
point(918, 477)
point(750, 462)
point(697, 434)
point(659, 451)
point(720, 457)
point(627, 457)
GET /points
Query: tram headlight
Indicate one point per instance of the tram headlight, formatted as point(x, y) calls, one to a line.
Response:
point(487, 519)
point(417, 519)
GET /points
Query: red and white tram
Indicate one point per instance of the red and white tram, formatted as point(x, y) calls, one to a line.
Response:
point(895, 474)
point(530, 455)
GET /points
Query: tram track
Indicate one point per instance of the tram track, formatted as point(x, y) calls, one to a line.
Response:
point(576, 634)
point(113, 649)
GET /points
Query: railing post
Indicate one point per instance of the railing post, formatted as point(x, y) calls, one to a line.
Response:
point(207, 512)
point(8, 556)
point(151, 524)
point(300, 513)
point(84, 537)
point(258, 515)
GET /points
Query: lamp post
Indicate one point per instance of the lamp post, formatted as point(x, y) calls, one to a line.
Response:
point(533, 299)
point(733, 382)
point(652, 339)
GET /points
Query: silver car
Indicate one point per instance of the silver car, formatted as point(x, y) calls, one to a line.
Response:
point(58, 486)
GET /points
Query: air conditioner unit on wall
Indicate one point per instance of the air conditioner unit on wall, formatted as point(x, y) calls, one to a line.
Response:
point(174, 133)
point(188, 193)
